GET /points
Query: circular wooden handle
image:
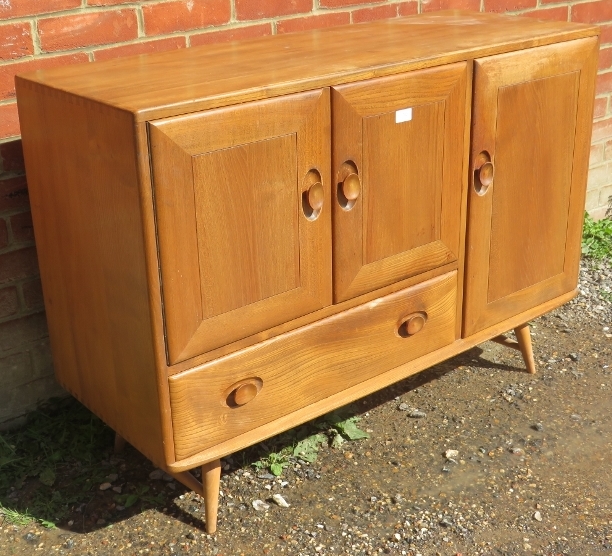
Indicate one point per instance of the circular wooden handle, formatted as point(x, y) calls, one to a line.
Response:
point(351, 186)
point(412, 324)
point(486, 173)
point(245, 393)
point(316, 196)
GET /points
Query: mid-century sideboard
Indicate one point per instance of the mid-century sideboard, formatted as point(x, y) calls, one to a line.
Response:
point(235, 239)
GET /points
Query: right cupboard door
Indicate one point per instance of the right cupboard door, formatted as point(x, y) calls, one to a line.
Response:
point(532, 118)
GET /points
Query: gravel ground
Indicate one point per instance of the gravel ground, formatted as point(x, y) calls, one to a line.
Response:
point(473, 456)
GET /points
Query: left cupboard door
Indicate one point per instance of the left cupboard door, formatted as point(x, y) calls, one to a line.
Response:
point(242, 203)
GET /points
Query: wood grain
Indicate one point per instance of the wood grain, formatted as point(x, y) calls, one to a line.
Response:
point(309, 364)
point(170, 83)
point(407, 217)
point(532, 115)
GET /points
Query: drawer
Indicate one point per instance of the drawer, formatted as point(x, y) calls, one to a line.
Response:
point(249, 388)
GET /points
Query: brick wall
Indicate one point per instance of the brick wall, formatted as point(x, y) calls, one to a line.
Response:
point(45, 33)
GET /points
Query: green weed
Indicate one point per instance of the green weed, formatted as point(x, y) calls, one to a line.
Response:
point(597, 238)
point(304, 442)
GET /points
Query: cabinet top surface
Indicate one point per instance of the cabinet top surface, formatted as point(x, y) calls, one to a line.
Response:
point(181, 81)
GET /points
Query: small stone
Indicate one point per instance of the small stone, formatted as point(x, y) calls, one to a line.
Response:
point(574, 356)
point(30, 537)
point(446, 470)
point(397, 537)
point(517, 451)
point(260, 505)
point(537, 516)
point(280, 501)
point(105, 486)
point(266, 476)
point(348, 455)
point(373, 499)
point(538, 427)
point(156, 475)
point(451, 454)
point(404, 407)
point(417, 414)
point(575, 417)
point(112, 477)
point(117, 489)
point(398, 499)
point(69, 544)
point(191, 536)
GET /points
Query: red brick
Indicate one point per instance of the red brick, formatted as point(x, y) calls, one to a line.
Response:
point(372, 14)
point(11, 157)
point(248, 9)
point(550, 14)
point(340, 3)
point(407, 8)
point(14, 194)
point(9, 302)
point(605, 58)
point(604, 83)
point(33, 294)
point(9, 121)
point(605, 34)
point(158, 45)
point(607, 150)
point(8, 71)
point(312, 22)
point(15, 41)
point(602, 130)
point(184, 15)
point(597, 154)
point(19, 8)
point(601, 105)
point(75, 31)
point(228, 35)
point(3, 234)
point(19, 264)
point(434, 5)
point(508, 5)
point(22, 228)
point(23, 331)
point(592, 12)
point(108, 2)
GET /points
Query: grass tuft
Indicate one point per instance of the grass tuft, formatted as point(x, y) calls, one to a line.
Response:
point(597, 238)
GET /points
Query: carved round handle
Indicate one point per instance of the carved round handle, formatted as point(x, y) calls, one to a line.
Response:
point(351, 186)
point(412, 324)
point(245, 393)
point(486, 173)
point(316, 196)
point(242, 392)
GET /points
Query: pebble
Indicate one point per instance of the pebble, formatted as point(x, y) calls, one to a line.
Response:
point(260, 505)
point(575, 417)
point(105, 486)
point(156, 475)
point(112, 477)
point(267, 476)
point(191, 536)
point(280, 501)
point(417, 414)
point(574, 356)
point(451, 454)
point(539, 427)
point(404, 407)
point(117, 489)
point(517, 451)
point(537, 516)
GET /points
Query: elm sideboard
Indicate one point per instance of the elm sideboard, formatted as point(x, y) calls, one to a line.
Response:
point(235, 239)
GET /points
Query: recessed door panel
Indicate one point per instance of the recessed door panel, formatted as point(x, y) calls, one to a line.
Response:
point(240, 248)
point(530, 148)
point(398, 165)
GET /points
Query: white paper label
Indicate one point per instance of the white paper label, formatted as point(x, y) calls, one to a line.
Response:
point(403, 115)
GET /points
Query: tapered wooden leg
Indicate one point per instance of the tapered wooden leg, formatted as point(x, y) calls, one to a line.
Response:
point(523, 337)
point(211, 480)
point(119, 443)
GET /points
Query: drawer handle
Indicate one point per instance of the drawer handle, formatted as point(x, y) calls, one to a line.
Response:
point(484, 172)
point(412, 324)
point(243, 392)
point(351, 187)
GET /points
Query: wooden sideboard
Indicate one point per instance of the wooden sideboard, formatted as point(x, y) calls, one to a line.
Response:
point(235, 239)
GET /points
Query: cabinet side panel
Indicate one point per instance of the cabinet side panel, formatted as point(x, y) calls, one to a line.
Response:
point(82, 175)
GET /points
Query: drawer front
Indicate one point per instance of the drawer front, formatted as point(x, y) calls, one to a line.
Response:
point(252, 387)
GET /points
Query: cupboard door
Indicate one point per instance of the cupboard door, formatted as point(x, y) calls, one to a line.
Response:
point(398, 164)
point(242, 201)
point(530, 148)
